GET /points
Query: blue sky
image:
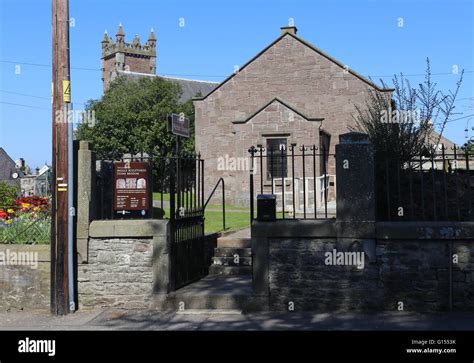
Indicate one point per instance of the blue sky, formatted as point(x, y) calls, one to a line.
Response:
point(217, 35)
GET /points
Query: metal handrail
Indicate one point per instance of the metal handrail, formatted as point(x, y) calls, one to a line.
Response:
point(223, 199)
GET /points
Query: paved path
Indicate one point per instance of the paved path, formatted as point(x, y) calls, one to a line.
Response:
point(241, 233)
point(234, 320)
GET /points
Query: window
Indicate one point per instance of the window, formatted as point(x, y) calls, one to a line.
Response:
point(276, 165)
point(324, 144)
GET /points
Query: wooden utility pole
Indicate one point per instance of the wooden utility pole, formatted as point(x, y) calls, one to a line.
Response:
point(59, 209)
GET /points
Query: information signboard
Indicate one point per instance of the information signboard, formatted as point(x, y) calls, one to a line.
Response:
point(178, 124)
point(132, 189)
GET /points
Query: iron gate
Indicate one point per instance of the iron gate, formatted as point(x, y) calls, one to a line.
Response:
point(186, 191)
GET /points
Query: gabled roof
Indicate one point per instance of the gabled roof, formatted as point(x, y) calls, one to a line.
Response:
point(4, 155)
point(433, 137)
point(317, 50)
point(7, 166)
point(284, 104)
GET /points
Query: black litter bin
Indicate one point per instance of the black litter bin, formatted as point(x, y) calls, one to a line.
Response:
point(266, 207)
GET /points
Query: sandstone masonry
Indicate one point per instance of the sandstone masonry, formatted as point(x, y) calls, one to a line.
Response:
point(290, 90)
point(413, 272)
point(128, 264)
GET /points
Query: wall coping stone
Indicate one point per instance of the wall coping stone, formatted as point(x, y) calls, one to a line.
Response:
point(380, 230)
point(425, 230)
point(119, 228)
point(295, 228)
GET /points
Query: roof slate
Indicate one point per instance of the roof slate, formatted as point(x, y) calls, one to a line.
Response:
point(189, 87)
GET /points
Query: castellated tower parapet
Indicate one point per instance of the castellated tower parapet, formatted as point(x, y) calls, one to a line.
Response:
point(120, 56)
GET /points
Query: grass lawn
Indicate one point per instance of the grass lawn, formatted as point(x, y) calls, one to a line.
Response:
point(213, 219)
point(233, 221)
point(157, 196)
point(213, 204)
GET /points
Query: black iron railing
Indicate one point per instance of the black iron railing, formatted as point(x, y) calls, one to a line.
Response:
point(435, 187)
point(220, 181)
point(301, 177)
point(177, 185)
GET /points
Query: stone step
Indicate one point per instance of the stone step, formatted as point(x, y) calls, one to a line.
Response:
point(230, 261)
point(234, 242)
point(213, 294)
point(210, 311)
point(183, 303)
point(212, 304)
point(231, 251)
point(230, 270)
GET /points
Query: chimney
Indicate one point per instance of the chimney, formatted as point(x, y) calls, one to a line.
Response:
point(22, 163)
point(37, 171)
point(288, 29)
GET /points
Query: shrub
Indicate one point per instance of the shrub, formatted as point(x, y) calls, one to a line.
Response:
point(8, 194)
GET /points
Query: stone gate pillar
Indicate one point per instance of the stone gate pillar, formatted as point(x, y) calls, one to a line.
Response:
point(355, 175)
point(85, 185)
point(356, 206)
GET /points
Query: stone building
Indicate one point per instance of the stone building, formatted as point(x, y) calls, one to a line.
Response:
point(38, 183)
point(289, 93)
point(9, 171)
point(135, 60)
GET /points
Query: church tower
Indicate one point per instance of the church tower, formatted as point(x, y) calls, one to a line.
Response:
point(122, 57)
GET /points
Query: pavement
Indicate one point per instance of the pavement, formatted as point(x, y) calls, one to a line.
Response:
point(233, 320)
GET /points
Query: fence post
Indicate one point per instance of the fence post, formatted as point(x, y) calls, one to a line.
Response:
point(252, 152)
point(86, 175)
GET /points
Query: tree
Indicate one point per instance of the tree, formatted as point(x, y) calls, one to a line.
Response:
point(131, 117)
point(401, 126)
point(469, 146)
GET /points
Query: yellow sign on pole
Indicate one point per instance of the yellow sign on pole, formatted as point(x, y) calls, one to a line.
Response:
point(66, 91)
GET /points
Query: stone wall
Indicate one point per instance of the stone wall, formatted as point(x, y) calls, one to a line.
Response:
point(121, 263)
point(127, 264)
point(401, 265)
point(24, 277)
point(119, 274)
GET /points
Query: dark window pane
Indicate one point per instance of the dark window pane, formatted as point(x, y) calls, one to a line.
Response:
point(276, 167)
